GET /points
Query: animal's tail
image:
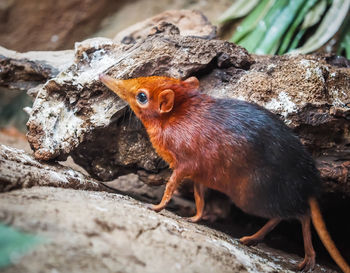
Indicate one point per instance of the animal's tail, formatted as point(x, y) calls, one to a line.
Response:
point(326, 239)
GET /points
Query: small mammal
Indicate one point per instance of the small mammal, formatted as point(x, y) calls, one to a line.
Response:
point(232, 146)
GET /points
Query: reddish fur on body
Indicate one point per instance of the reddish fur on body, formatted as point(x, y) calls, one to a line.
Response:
point(187, 142)
point(197, 152)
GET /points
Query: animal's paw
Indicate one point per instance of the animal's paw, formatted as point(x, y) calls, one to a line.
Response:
point(194, 219)
point(308, 264)
point(249, 241)
point(156, 208)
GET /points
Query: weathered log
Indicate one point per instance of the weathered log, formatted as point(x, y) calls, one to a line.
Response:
point(103, 232)
point(27, 70)
point(19, 170)
point(81, 100)
point(75, 114)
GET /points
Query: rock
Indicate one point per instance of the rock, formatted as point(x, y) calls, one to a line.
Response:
point(103, 232)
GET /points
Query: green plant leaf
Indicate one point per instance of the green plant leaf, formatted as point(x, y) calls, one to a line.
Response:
point(282, 22)
point(250, 22)
point(300, 16)
point(328, 27)
point(314, 15)
point(238, 9)
point(13, 244)
point(345, 38)
point(296, 40)
point(346, 44)
point(252, 40)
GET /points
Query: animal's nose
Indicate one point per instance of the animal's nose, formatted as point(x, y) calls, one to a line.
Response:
point(102, 77)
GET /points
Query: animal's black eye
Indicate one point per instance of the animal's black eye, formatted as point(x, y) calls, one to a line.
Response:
point(142, 98)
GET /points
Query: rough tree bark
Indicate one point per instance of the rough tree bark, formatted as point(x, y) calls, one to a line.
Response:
point(27, 70)
point(74, 114)
point(20, 170)
point(102, 232)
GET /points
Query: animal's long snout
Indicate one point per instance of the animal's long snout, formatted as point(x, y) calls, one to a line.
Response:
point(117, 86)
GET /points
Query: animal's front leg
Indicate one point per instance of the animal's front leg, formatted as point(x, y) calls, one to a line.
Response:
point(199, 199)
point(170, 188)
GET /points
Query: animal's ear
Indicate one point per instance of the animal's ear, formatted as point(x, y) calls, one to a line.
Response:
point(192, 83)
point(166, 100)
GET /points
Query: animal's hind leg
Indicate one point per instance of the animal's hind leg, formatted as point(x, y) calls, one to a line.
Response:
point(260, 235)
point(310, 256)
